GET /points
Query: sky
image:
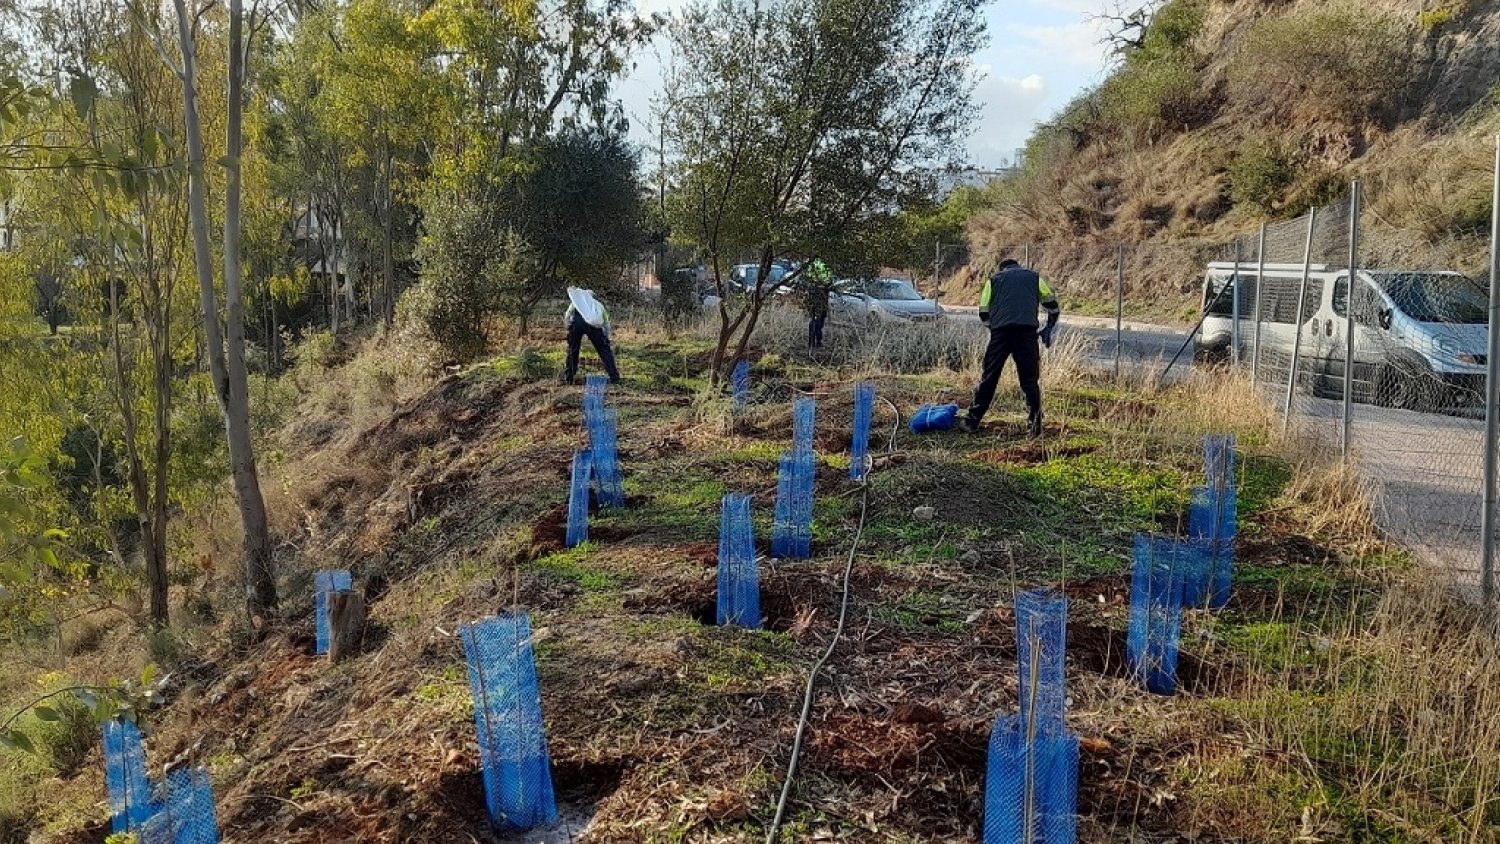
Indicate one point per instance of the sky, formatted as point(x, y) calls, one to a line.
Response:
point(1041, 54)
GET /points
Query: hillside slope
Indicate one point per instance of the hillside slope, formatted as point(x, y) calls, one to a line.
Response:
point(1227, 113)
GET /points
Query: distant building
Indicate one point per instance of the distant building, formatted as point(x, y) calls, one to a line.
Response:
point(978, 177)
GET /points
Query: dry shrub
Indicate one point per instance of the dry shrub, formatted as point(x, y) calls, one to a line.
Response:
point(955, 344)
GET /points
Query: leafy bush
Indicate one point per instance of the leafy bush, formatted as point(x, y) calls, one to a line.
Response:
point(1260, 175)
point(1342, 61)
point(1155, 94)
point(467, 265)
point(1173, 28)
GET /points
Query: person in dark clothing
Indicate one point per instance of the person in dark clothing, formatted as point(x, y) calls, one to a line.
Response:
point(598, 331)
point(1009, 305)
point(819, 283)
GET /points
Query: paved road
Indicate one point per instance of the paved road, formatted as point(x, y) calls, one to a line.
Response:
point(1424, 469)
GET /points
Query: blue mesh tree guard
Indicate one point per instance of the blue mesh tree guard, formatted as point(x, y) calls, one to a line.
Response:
point(791, 530)
point(1218, 458)
point(578, 498)
point(1194, 561)
point(608, 486)
point(740, 378)
point(1031, 786)
point(1041, 637)
point(595, 389)
point(1213, 524)
point(508, 717)
point(324, 582)
point(131, 802)
point(859, 446)
point(187, 811)
point(803, 413)
point(1005, 784)
point(739, 579)
point(1155, 614)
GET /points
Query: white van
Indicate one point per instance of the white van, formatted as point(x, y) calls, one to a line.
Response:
point(1420, 337)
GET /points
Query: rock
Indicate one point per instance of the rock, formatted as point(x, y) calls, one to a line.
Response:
point(924, 514)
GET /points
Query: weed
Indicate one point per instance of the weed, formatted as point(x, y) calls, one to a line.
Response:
point(571, 566)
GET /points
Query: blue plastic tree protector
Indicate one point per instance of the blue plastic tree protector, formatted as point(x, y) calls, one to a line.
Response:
point(324, 582)
point(740, 378)
point(1155, 615)
point(1041, 637)
point(187, 811)
point(1212, 523)
point(131, 801)
point(933, 417)
point(1046, 811)
point(578, 499)
point(603, 443)
point(859, 446)
point(1218, 458)
point(508, 717)
point(791, 530)
point(595, 391)
point(1055, 773)
point(803, 413)
point(1195, 563)
point(739, 579)
point(1005, 783)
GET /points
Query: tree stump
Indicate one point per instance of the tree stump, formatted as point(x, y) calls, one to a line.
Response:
point(346, 624)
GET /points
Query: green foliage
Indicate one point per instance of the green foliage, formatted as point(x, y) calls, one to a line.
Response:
point(1433, 19)
point(468, 266)
point(1156, 93)
point(1342, 60)
point(1260, 175)
point(1173, 27)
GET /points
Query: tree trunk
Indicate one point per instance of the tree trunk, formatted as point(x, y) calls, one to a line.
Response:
point(153, 550)
point(388, 256)
point(230, 384)
point(260, 575)
point(346, 624)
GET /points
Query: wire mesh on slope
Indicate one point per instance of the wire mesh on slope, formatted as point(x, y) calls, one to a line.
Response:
point(131, 801)
point(187, 814)
point(739, 579)
point(595, 392)
point(1155, 614)
point(508, 718)
point(1031, 785)
point(325, 583)
point(859, 445)
point(578, 498)
point(1208, 574)
point(1005, 815)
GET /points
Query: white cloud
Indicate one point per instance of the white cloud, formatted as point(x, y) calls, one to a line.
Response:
point(1082, 44)
point(1009, 108)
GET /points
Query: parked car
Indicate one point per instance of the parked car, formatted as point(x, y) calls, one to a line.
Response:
point(742, 277)
point(1420, 337)
point(881, 301)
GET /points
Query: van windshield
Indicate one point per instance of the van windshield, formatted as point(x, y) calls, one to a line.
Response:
point(1437, 297)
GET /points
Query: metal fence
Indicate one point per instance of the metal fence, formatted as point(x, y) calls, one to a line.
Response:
point(1411, 410)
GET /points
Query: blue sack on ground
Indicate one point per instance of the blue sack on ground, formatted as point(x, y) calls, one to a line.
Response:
point(934, 417)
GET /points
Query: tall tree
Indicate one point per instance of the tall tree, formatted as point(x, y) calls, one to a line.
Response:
point(799, 128)
point(226, 350)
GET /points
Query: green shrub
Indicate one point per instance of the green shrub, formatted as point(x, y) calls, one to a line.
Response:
point(1152, 94)
point(1260, 175)
point(1173, 27)
point(1343, 60)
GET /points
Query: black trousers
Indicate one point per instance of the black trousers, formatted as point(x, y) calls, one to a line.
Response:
point(815, 331)
point(1011, 341)
point(579, 328)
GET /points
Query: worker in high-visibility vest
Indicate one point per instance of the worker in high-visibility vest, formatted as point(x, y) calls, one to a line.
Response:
point(587, 317)
point(1009, 305)
point(817, 286)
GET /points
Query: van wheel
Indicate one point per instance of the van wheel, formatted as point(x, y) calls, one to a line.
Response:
point(1409, 386)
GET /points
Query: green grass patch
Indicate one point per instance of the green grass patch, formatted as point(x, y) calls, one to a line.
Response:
point(572, 566)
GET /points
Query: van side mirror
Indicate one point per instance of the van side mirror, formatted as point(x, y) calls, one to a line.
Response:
point(1385, 318)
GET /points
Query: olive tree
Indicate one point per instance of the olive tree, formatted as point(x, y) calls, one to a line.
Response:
point(799, 129)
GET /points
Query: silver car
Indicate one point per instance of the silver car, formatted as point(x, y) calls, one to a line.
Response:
point(881, 301)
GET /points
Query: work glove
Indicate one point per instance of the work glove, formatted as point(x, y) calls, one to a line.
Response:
point(1046, 335)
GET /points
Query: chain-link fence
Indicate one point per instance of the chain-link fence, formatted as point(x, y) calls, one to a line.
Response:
point(1410, 410)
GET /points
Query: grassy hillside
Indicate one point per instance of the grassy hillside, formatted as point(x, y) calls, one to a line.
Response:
point(1226, 113)
point(1299, 715)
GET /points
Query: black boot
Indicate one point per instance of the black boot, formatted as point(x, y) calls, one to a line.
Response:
point(967, 424)
point(1034, 424)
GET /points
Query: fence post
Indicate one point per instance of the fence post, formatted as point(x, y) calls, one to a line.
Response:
point(1354, 207)
point(1260, 277)
point(1491, 397)
point(1291, 378)
point(1119, 309)
point(1026, 256)
point(1234, 309)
